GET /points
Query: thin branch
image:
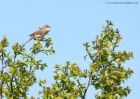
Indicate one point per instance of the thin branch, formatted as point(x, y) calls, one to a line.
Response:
point(89, 81)
point(11, 84)
point(2, 62)
point(90, 74)
point(12, 78)
point(90, 56)
point(113, 49)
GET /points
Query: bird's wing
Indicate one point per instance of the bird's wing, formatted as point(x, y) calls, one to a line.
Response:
point(38, 32)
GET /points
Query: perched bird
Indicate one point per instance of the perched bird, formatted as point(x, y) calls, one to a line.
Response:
point(39, 33)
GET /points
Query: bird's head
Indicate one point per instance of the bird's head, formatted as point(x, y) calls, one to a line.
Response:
point(46, 27)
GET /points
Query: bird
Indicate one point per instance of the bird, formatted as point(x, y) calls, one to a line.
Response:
point(40, 33)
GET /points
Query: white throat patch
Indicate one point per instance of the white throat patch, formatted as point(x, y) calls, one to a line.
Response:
point(47, 29)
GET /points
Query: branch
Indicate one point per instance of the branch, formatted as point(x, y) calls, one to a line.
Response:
point(90, 56)
point(113, 49)
point(2, 62)
point(11, 82)
point(90, 74)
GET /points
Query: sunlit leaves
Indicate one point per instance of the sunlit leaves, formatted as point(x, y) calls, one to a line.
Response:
point(48, 42)
point(17, 72)
point(40, 65)
point(43, 46)
point(107, 71)
point(4, 42)
point(17, 49)
point(42, 82)
point(68, 84)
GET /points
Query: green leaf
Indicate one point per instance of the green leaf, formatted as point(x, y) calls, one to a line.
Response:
point(12, 70)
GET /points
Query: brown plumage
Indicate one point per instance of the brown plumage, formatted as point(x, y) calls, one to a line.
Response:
point(39, 33)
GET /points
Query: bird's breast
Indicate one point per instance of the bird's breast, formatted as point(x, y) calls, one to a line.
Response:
point(37, 36)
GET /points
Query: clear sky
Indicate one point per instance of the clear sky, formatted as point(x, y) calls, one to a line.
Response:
point(73, 22)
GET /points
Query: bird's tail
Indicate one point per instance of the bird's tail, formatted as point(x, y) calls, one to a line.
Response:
point(27, 42)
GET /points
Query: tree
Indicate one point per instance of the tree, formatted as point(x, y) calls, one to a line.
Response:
point(106, 72)
point(18, 67)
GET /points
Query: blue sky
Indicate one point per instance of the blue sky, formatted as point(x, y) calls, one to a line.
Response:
point(73, 22)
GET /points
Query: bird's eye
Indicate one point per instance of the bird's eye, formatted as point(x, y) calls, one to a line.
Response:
point(46, 26)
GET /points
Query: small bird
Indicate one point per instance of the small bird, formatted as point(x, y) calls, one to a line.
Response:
point(39, 33)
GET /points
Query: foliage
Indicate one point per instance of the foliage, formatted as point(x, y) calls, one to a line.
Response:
point(106, 67)
point(106, 73)
point(68, 83)
point(18, 67)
